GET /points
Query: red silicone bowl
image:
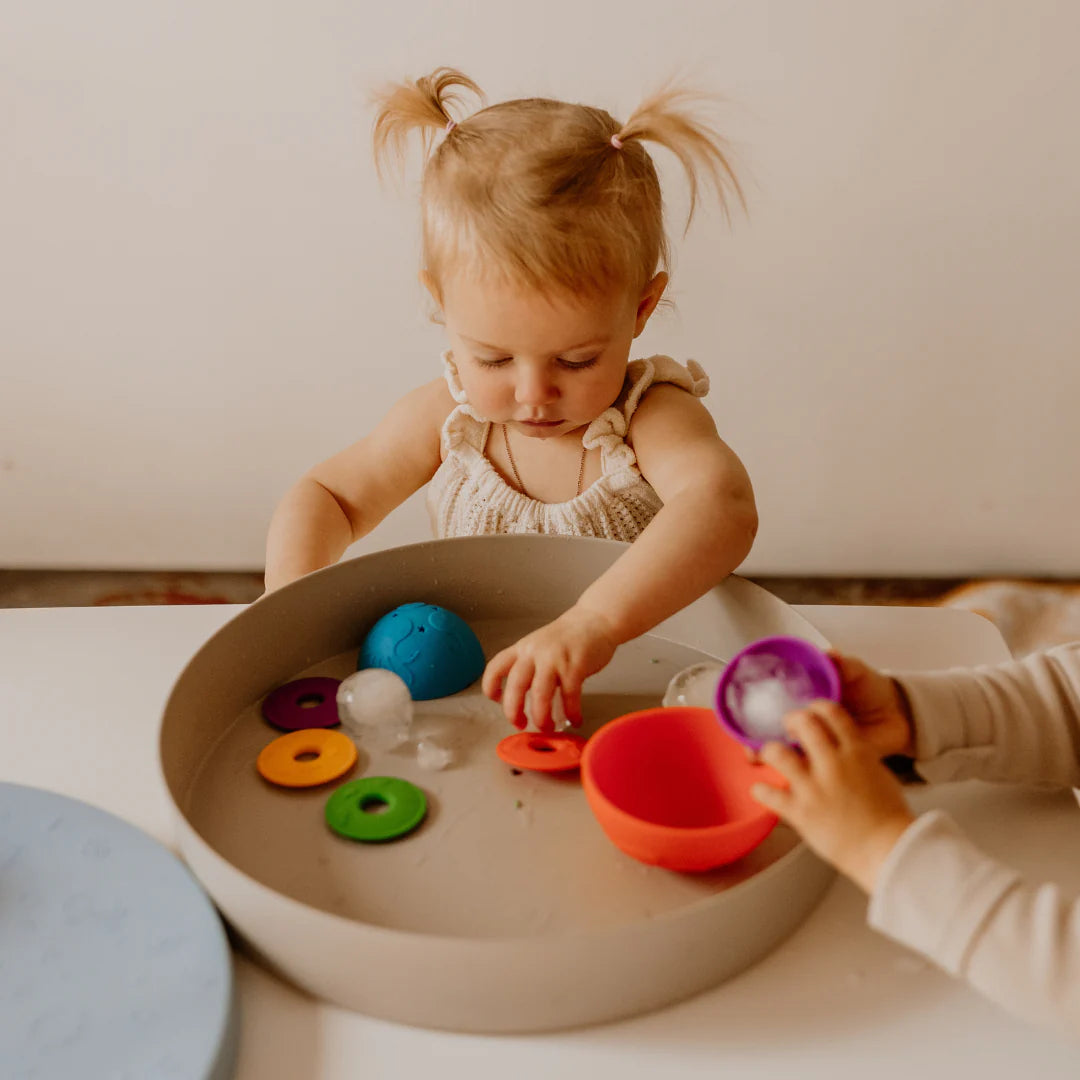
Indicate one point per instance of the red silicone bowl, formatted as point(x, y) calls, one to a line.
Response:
point(671, 788)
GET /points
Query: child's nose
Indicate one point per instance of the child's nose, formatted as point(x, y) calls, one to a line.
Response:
point(535, 387)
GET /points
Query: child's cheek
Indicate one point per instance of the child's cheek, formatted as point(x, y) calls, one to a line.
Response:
point(488, 396)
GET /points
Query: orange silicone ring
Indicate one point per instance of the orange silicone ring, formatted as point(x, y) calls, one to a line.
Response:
point(334, 756)
point(541, 753)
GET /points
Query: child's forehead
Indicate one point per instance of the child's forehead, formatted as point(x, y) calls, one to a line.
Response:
point(503, 313)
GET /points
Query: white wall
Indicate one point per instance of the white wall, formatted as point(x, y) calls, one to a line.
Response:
point(204, 290)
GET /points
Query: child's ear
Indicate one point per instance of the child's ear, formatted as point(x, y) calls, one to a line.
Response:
point(650, 297)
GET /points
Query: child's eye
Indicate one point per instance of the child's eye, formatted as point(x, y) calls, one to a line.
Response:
point(578, 365)
point(497, 363)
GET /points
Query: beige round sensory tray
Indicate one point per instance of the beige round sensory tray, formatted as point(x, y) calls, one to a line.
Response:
point(508, 909)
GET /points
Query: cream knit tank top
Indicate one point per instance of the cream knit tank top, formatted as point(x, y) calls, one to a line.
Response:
point(467, 497)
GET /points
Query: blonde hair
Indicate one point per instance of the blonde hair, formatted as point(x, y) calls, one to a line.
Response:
point(546, 194)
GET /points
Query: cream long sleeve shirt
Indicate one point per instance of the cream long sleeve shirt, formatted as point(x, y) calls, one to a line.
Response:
point(1016, 942)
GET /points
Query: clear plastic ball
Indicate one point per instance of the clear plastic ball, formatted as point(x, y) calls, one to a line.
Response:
point(695, 685)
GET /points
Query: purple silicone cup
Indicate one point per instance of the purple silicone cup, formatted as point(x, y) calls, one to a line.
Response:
point(792, 651)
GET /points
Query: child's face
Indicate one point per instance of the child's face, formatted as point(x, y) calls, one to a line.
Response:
point(545, 366)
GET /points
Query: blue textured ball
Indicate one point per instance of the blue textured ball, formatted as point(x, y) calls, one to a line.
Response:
point(433, 650)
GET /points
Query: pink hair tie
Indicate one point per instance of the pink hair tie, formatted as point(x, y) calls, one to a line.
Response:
point(616, 142)
point(450, 125)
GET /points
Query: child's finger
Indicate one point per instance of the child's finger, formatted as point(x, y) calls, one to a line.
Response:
point(808, 729)
point(494, 674)
point(571, 699)
point(785, 759)
point(514, 690)
point(849, 668)
point(852, 672)
point(541, 691)
point(771, 797)
point(837, 720)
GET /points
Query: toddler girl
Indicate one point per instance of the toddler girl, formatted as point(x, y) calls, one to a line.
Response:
point(544, 250)
point(930, 888)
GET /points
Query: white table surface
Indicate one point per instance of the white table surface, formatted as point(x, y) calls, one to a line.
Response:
point(81, 695)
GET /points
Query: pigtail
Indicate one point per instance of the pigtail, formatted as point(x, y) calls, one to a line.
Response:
point(421, 103)
point(671, 117)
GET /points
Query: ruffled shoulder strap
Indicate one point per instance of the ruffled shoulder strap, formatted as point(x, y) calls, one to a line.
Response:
point(641, 374)
point(463, 425)
point(609, 429)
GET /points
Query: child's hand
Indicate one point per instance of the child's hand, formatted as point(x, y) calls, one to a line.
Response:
point(841, 799)
point(560, 655)
point(877, 706)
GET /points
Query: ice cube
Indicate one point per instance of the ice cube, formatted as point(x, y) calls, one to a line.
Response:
point(764, 667)
point(375, 707)
point(763, 689)
point(761, 707)
point(433, 755)
point(756, 666)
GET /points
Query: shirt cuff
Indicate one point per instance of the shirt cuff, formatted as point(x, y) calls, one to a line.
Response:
point(937, 703)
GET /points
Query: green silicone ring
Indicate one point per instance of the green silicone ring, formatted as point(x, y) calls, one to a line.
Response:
point(405, 805)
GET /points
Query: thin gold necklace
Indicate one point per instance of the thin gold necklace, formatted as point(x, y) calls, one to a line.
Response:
point(517, 475)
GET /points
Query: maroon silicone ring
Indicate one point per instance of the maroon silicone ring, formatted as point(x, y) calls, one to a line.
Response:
point(303, 703)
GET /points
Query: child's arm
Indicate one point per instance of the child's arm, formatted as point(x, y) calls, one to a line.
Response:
point(1017, 721)
point(346, 496)
point(931, 889)
point(703, 531)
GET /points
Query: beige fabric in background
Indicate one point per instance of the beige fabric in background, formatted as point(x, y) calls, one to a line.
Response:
point(1030, 615)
